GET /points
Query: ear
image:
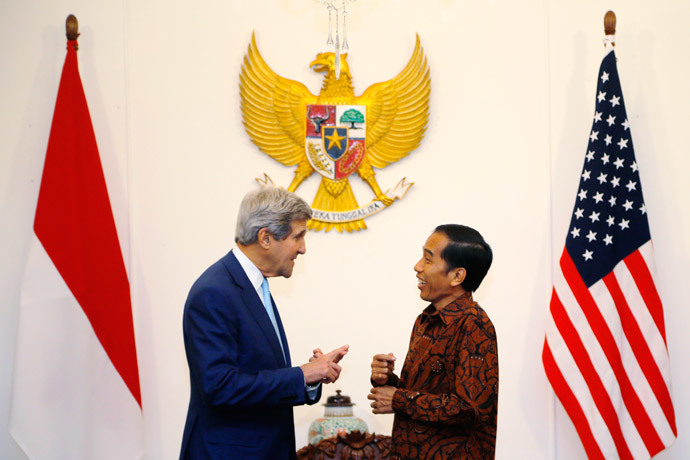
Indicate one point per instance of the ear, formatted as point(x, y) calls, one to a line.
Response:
point(459, 275)
point(263, 238)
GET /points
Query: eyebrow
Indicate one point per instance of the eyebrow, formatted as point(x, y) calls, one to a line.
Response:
point(428, 251)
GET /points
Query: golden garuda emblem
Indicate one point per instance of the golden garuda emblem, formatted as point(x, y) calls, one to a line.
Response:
point(337, 133)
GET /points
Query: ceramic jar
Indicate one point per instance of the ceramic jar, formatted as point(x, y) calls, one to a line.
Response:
point(338, 417)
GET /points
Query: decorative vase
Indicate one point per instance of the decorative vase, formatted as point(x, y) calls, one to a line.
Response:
point(338, 417)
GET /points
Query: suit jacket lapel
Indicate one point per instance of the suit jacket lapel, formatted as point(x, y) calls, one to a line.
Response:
point(256, 307)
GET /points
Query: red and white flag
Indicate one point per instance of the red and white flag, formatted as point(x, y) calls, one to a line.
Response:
point(76, 392)
point(605, 352)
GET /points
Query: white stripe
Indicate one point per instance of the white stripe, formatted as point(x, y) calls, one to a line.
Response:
point(584, 330)
point(647, 252)
point(631, 368)
point(656, 344)
point(644, 319)
point(68, 401)
point(571, 374)
point(598, 357)
point(664, 361)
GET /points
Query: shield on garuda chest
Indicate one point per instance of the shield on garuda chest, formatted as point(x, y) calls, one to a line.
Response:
point(336, 138)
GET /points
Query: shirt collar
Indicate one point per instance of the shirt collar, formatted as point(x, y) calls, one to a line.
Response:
point(253, 273)
point(449, 311)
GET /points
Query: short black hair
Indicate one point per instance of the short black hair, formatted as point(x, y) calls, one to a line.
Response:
point(466, 249)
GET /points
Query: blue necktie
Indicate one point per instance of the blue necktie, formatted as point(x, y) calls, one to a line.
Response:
point(268, 305)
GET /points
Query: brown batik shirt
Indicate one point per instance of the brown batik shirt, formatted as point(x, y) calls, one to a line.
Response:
point(446, 402)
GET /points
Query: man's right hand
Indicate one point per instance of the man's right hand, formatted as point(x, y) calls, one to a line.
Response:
point(382, 368)
point(324, 367)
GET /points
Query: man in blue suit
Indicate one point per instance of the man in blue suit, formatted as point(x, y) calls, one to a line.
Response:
point(243, 385)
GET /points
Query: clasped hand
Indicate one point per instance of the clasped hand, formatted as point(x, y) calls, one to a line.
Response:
point(382, 367)
point(324, 367)
point(382, 399)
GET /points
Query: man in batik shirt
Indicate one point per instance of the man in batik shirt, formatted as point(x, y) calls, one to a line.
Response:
point(445, 400)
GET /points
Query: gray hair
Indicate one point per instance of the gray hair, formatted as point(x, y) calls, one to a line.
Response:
point(272, 208)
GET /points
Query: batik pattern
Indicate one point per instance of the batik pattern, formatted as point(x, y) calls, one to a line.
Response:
point(446, 405)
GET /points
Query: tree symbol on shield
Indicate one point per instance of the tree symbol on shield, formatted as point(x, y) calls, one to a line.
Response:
point(352, 116)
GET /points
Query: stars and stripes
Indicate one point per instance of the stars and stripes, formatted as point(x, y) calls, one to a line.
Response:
point(605, 352)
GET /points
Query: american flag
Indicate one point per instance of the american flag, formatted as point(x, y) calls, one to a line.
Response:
point(605, 352)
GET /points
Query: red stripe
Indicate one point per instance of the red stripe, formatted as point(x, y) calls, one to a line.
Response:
point(75, 224)
point(609, 346)
point(600, 396)
point(645, 283)
point(570, 404)
point(638, 344)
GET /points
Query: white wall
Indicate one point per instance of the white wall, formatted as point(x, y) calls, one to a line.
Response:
point(513, 87)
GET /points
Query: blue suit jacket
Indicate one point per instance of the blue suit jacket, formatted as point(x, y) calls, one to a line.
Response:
point(242, 390)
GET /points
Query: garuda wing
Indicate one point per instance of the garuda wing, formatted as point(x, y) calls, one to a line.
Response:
point(273, 109)
point(397, 112)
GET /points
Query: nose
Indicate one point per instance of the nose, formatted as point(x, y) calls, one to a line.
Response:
point(419, 267)
point(302, 248)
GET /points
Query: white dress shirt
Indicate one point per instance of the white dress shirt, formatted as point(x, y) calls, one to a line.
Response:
point(256, 278)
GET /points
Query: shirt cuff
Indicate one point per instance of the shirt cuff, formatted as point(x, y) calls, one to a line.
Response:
point(312, 390)
point(404, 401)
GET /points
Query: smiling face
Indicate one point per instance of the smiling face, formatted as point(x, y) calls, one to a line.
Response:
point(436, 284)
point(282, 253)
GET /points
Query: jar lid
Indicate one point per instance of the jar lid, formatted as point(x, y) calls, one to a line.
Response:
point(338, 400)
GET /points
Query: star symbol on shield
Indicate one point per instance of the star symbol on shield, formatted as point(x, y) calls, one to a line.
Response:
point(335, 139)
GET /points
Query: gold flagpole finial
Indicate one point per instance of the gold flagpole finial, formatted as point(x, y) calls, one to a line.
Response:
point(610, 28)
point(72, 27)
point(610, 23)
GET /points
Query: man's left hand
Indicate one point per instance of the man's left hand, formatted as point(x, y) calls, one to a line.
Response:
point(382, 398)
point(314, 368)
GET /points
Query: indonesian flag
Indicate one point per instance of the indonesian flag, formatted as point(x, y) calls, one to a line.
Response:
point(76, 388)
